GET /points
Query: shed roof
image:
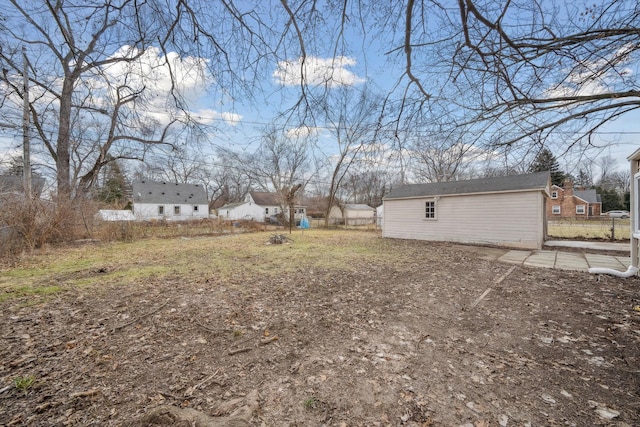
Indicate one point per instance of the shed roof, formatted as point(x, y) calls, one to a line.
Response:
point(169, 192)
point(358, 207)
point(537, 181)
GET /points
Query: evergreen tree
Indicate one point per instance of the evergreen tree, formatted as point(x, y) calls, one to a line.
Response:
point(546, 161)
point(611, 200)
point(114, 189)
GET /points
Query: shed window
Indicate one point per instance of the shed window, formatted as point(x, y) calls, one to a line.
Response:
point(554, 194)
point(555, 209)
point(580, 210)
point(430, 209)
point(160, 210)
point(266, 211)
point(195, 208)
point(176, 210)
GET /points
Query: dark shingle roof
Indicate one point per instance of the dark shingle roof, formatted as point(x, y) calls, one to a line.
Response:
point(15, 184)
point(264, 198)
point(528, 182)
point(169, 192)
point(588, 196)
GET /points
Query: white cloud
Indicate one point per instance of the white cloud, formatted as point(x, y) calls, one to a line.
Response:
point(158, 75)
point(207, 116)
point(594, 77)
point(301, 132)
point(330, 72)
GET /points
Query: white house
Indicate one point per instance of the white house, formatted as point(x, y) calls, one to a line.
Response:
point(270, 203)
point(273, 204)
point(170, 201)
point(241, 211)
point(259, 206)
point(504, 211)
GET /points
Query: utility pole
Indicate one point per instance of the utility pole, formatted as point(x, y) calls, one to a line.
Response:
point(26, 169)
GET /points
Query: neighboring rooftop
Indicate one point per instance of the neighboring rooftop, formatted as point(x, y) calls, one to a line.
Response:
point(588, 196)
point(264, 198)
point(169, 192)
point(358, 207)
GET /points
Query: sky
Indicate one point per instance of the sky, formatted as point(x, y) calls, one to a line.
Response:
point(238, 121)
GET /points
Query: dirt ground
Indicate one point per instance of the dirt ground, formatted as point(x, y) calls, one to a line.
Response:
point(450, 337)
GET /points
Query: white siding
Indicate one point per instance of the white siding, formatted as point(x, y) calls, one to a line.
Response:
point(146, 211)
point(359, 213)
point(503, 219)
point(246, 211)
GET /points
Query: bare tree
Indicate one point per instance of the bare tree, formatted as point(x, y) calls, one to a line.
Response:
point(352, 119)
point(92, 65)
point(542, 67)
point(606, 164)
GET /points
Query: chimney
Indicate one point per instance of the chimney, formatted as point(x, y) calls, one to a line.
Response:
point(568, 188)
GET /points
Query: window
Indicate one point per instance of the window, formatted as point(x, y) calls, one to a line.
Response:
point(430, 209)
point(266, 211)
point(554, 194)
point(555, 209)
point(580, 210)
point(160, 210)
point(195, 208)
point(176, 210)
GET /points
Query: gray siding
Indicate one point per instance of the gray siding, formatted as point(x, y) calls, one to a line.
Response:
point(502, 219)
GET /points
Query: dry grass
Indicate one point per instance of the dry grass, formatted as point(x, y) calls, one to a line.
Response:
point(223, 258)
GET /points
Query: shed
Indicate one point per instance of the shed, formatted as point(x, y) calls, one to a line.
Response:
point(504, 211)
point(358, 214)
point(352, 214)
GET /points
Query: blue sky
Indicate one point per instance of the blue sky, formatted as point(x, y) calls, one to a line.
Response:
point(373, 63)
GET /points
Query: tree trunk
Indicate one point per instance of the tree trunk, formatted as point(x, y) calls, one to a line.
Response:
point(63, 149)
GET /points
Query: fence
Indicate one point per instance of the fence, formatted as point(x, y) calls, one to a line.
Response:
point(600, 228)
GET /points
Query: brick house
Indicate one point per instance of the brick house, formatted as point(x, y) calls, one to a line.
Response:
point(569, 202)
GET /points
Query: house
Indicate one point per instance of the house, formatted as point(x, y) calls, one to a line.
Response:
point(170, 201)
point(567, 202)
point(272, 204)
point(352, 214)
point(504, 211)
point(247, 211)
point(259, 206)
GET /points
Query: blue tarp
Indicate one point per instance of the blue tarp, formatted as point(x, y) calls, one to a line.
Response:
point(304, 223)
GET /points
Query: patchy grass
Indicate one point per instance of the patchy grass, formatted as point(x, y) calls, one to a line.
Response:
point(589, 229)
point(221, 258)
